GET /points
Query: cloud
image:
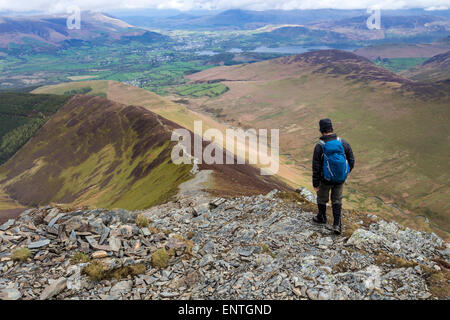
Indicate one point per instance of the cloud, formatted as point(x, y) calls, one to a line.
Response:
point(53, 6)
point(439, 8)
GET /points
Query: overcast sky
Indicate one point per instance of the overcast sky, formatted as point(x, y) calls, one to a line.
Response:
point(53, 6)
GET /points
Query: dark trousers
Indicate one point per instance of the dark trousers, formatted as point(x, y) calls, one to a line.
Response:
point(323, 195)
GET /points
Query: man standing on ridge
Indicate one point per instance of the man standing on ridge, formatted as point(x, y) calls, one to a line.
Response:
point(332, 162)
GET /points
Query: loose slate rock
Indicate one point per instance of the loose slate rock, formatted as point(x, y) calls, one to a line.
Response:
point(10, 294)
point(53, 289)
point(244, 248)
point(121, 287)
point(8, 224)
point(38, 244)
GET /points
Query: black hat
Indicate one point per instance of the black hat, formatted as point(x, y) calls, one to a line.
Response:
point(325, 125)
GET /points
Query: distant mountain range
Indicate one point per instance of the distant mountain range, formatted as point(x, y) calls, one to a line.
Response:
point(407, 28)
point(309, 27)
point(250, 19)
point(238, 18)
point(269, 28)
point(50, 31)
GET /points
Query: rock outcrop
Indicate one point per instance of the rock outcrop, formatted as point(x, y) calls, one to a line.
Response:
point(258, 247)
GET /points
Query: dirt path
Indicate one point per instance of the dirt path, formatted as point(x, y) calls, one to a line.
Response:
point(195, 187)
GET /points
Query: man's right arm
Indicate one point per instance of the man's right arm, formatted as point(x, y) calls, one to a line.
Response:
point(317, 166)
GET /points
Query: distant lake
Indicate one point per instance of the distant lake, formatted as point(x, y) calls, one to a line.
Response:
point(281, 50)
point(295, 49)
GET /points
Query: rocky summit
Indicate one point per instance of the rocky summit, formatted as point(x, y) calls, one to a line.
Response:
point(258, 247)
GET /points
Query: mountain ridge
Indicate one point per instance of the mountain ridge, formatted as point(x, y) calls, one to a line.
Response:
point(335, 63)
point(97, 152)
point(46, 32)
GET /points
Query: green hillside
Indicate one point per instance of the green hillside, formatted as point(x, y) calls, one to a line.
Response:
point(21, 115)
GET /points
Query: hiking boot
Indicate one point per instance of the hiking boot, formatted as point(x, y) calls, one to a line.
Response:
point(337, 228)
point(322, 215)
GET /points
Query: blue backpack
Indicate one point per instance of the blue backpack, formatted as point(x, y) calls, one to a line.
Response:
point(335, 164)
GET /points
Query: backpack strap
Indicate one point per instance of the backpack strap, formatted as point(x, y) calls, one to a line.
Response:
point(321, 143)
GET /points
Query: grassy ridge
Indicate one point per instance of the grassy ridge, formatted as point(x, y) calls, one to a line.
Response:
point(96, 88)
point(227, 180)
point(21, 115)
point(98, 153)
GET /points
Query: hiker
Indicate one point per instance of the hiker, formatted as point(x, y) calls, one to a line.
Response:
point(332, 162)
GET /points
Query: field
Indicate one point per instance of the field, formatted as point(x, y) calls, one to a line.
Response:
point(149, 66)
point(200, 90)
point(156, 67)
point(399, 64)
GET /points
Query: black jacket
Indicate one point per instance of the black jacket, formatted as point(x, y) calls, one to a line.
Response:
point(318, 159)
